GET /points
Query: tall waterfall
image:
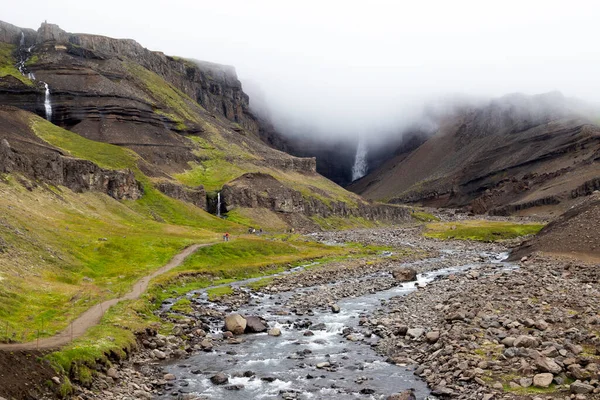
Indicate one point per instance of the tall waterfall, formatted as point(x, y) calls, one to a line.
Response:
point(359, 169)
point(22, 43)
point(218, 204)
point(47, 103)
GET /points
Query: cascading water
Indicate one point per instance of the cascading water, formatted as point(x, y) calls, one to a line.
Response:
point(22, 42)
point(359, 169)
point(47, 102)
point(218, 204)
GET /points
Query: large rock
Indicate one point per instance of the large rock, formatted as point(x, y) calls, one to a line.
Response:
point(415, 333)
point(219, 379)
point(543, 380)
point(235, 324)
point(546, 364)
point(404, 274)
point(255, 325)
point(581, 388)
point(526, 341)
point(406, 395)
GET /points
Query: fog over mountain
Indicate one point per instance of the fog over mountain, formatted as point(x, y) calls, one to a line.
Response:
point(346, 69)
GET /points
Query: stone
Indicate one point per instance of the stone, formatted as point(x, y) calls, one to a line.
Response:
point(415, 333)
point(159, 354)
point(235, 324)
point(432, 336)
point(255, 325)
point(406, 395)
point(541, 325)
point(579, 387)
point(546, 364)
point(508, 341)
point(404, 274)
point(543, 380)
point(56, 380)
point(169, 377)
point(526, 341)
point(113, 373)
point(577, 372)
point(457, 316)
point(274, 332)
point(219, 379)
point(526, 382)
point(324, 364)
point(335, 308)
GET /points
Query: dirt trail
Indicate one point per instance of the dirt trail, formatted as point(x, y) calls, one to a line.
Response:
point(93, 315)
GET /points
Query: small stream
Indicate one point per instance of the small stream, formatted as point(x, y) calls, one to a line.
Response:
point(267, 367)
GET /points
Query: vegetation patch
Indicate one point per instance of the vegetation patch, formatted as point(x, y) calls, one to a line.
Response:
point(8, 64)
point(220, 291)
point(423, 216)
point(480, 230)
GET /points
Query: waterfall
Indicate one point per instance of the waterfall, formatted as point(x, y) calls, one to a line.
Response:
point(47, 103)
point(218, 204)
point(359, 169)
point(22, 43)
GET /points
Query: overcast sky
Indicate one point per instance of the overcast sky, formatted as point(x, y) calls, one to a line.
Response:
point(355, 66)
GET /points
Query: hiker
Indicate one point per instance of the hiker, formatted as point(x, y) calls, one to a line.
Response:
point(227, 236)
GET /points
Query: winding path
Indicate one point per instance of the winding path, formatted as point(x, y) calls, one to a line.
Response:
point(93, 315)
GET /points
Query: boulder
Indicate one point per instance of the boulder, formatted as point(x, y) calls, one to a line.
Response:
point(255, 325)
point(219, 379)
point(415, 333)
point(543, 380)
point(526, 341)
point(546, 364)
point(274, 332)
point(235, 324)
point(579, 387)
point(404, 274)
point(432, 336)
point(335, 308)
point(525, 382)
point(169, 377)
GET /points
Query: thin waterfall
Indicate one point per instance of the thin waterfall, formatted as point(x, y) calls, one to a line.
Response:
point(359, 169)
point(22, 43)
point(218, 204)
point(48, 103)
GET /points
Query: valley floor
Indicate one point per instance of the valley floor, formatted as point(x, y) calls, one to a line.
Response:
point(479, 329)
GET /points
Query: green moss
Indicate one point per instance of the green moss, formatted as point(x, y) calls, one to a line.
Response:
point(34, 59)
point(215, 293)
point(178, 121)
point(8, 64)
point(480, 230)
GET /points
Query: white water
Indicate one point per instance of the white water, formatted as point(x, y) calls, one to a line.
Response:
point(359, 169)
point(22, 43)
point(218, 204)
point(47, 102)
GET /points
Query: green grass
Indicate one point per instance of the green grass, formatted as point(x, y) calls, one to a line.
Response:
point(8, 64)
point(340, 223)
point(423, 216)
point(480, 230)
point(215, 293)
point(164, 93)
point(183, 306)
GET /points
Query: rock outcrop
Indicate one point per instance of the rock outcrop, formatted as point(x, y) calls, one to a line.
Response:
point(195, 196)
point(76, 174)
point(258, 190)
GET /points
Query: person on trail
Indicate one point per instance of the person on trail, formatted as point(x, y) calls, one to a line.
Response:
point(227, 236)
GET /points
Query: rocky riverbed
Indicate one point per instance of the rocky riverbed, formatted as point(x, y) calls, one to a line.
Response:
point(471, 326)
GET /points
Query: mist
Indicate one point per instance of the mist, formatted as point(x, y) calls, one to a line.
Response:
point(343, 69)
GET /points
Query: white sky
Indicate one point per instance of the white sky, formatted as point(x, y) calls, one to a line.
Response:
point(352, 66)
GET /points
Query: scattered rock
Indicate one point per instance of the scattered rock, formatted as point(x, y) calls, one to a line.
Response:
point(274, 332)
point(404, 274)
point(219, 379)
point(543, 380)
point(235, 323)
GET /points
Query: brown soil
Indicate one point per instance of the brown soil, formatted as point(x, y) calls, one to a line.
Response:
point(24, 375)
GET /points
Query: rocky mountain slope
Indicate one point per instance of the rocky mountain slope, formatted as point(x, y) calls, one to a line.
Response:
point(516, 154)
point(188, 122)
point(574, 233)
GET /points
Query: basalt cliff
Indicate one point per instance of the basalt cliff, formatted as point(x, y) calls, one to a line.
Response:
point(185, 123)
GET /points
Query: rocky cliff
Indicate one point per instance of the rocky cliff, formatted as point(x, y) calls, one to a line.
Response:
point(38, 161)
point(187, 121)
point(256, 190)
